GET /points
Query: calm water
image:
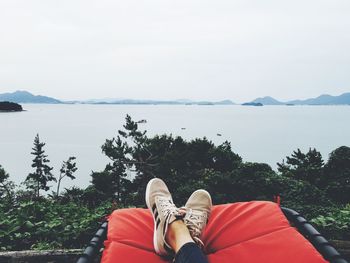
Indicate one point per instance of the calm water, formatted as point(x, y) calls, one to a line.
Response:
point(260, 134)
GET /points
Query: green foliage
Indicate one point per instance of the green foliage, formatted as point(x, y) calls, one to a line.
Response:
point(332, 178)
point(104, 184)
point(49, 224)
point(73, 194)
point(6, 187)
point(3, 175)
point(39, 179)
point(172, 159)
point(307, 167)
point(304, 197)
point(257, 181)
point(335, 225)
point(176, 161)
point(337, 175)
point(250, 181)
point(201, 164)
point(119, 152)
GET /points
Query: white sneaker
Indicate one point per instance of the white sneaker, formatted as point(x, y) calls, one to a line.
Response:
point(160, 202)
point(198, 208)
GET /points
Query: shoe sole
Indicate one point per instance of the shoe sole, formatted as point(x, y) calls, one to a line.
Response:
point(155, 243)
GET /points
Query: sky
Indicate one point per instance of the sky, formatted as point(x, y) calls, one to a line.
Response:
point(167, 49)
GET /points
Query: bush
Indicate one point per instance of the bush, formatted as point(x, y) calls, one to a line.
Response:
point(48, 224)
point(335, 225)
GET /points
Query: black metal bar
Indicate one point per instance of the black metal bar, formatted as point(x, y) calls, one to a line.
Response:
point(315, 238)
point(95, 245)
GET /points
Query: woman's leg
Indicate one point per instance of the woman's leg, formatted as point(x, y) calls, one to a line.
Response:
point(173, 226)
point(178, 235)
point(180, 240)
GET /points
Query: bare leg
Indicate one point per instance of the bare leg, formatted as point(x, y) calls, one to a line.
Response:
point(178, 235)
point(180, 240)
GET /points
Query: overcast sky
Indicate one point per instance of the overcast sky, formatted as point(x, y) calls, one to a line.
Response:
point(162, 49)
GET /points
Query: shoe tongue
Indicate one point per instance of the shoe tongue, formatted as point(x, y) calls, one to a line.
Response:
point(172, 214)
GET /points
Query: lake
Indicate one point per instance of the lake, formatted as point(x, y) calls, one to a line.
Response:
point(258, 134)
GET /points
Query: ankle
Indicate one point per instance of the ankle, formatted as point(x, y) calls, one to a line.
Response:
point(177, 235)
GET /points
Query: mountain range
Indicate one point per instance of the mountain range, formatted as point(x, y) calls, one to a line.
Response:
point(343, 99)
point(27, 97)
point(155, 102)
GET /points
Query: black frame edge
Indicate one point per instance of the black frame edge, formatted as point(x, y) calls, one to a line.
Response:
point(94, 245)
point(314, 237)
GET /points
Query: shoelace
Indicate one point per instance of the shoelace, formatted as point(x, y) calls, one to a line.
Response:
point(167, 207)
point(195, 221)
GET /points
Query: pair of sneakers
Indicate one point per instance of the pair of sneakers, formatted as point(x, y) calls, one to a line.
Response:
point(194, 214)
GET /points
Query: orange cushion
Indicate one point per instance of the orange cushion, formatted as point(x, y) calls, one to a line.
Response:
point(240, 232)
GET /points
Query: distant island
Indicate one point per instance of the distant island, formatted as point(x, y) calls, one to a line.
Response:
point(6, 106)
point(252, 104)
point(27, 97)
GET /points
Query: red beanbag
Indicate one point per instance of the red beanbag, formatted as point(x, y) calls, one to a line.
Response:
point(240, 232)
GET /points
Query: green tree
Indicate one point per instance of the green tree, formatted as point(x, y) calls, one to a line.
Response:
point(68, 169)
point(72, 195)
point(250, 181)
point(39, 179)
point(104, 183)
point(337, 175)
point(171, 158)
point(176, 161)
point(3, 179)
point(116, 150)
point(6, 186)
point(120, 151)
point(307, 167)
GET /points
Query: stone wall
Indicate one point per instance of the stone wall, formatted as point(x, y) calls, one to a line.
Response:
point(30, 256)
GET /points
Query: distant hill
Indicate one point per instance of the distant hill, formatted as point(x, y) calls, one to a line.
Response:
point(155, 102)
point(224, 102)
point(26, 97)
point(267, 101)
point(326, 99)
point(343, 99)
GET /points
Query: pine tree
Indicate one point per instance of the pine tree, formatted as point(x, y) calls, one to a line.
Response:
point(120, 151)
point(67, 170)
point(39, 179)
point(303, 166)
